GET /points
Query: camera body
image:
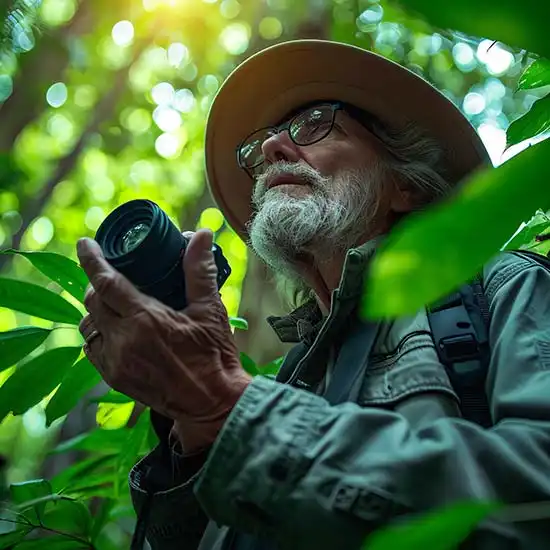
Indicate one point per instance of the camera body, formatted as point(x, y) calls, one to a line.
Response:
point(139, 240)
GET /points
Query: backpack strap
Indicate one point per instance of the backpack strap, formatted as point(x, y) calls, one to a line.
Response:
point(459, 326)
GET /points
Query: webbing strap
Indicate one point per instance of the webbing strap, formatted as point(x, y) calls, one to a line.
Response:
point(461, 342)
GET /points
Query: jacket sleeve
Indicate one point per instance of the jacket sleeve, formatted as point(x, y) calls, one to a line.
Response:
point(161, 487)
point(290, 466)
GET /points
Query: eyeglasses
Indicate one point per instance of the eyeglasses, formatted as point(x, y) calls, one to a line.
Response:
point(305, 128)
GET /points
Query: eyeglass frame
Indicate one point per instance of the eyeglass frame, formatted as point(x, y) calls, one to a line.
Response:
point(335, 106)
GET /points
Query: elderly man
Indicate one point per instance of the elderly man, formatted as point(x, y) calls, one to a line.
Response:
point(314, 150)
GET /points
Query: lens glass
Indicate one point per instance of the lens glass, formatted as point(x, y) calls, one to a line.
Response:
point(132, 238)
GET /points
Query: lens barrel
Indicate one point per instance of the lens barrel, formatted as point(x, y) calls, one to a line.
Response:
point(139, 240)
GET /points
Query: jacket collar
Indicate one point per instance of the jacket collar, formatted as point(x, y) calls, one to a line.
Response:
point(302, 324)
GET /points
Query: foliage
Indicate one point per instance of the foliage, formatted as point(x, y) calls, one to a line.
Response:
point(105, 102)
point(431, 254)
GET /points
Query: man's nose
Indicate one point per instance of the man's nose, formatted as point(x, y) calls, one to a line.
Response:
point(280, 147)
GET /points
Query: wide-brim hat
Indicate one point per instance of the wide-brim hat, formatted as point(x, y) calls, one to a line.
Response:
point(278, 80)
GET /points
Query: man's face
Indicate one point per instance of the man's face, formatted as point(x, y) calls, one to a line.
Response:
point(317, 199)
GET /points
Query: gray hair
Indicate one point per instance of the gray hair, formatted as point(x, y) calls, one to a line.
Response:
point(416, 161)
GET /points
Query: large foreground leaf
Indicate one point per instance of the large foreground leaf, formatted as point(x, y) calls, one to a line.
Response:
point(64, 271)
point(37, 301)
point(440, 530)
point(18, 343)
point(431, 254)
point(34, 380)
point(523, 25)
point(78, 381)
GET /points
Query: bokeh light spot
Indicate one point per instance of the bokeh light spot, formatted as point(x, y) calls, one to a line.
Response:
point(235, 38)
point(495, 57)
point(464, 57)
point(168, 146)
point(57, 12)
point(85, 96)
point(137, 121)
point(6, 86)
point(211, 218)
point(473, 103)
point(166, 118)
point(208, 84)
point(57, 94)
point(369, 19)
point(60, 127)
point(42, 230)
point(230, 9)
point(184, 100)
point(270, 28)
point(190, 72)
point(123, 33)
point(94, 216)
point(178, 54)
point(163, 93)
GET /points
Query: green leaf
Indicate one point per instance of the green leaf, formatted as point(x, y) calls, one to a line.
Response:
point(238, 322)
point(534, 122)
point(538, 224)
point(502, 20)
point(93, 484)
point(249, 365)
point(536, 75)
point(37, 301)
point(57, 542)
point(271, 368)
point(64, 271)
point(112, 396)
point(18, 343)
point(432, 253)
point(68, 516)
point(77, 472)
point(35, 379)
point(78, 381)
point(102, 517)
point(133, 444)
point(29, 491)
point(98, 440)
point(9, 540)
point(443, 529)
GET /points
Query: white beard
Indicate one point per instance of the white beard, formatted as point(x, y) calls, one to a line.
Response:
point(328, 215)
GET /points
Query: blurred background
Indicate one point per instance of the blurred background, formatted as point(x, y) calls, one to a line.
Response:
point(103, 101)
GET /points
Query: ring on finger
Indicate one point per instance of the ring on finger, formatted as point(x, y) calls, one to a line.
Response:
point(92, 336)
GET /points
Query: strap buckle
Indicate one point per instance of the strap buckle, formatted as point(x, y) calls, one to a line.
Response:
point(455, 349)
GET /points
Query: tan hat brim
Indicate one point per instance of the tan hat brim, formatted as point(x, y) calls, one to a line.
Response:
point(279, 79)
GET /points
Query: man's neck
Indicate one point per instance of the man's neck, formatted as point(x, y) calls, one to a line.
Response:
point(325, 275)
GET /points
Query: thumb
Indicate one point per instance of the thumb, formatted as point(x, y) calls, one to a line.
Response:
point(200, 269)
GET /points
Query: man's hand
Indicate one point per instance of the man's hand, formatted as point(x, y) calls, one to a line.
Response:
point(183, 364)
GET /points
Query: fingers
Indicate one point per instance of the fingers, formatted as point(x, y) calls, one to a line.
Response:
point(200, 268)
point(86, 326)
point(112, 287)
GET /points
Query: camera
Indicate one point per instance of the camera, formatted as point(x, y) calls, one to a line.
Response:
point(139, 240)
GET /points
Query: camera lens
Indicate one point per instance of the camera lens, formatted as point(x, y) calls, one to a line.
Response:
point(139, 240)
point(134, 237)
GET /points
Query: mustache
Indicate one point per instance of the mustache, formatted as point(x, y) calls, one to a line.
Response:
point(284, 168)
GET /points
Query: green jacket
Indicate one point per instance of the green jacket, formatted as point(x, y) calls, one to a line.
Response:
point(290, 468)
